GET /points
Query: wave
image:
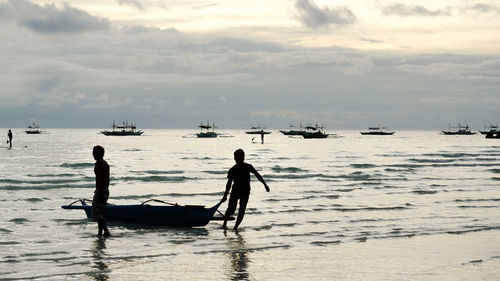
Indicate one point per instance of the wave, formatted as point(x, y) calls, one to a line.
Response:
point(452, 155)
point(42, 187)
point(77, 165)
point(156, 195)
point(363, 166)
point(222, 172)
point(478, 200)
point(52, 175)
point(395, 208)
point(156, 179)
point(424, 192)
point(416, 160)
point(45, 181)
point(279, 169)
point(474, 229)
point(20, 220)
point(324, 243)
point(156, 172)
point(496, 171)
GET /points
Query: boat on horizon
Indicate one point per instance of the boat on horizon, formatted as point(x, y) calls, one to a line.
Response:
point(205, 131)
point(159, 215)
point(291, 132)
point(490, 129)
point(125, 129)
point(379, 131)
point(460, 130)
point(258, 130)
point(33, 129)
point(314, 132)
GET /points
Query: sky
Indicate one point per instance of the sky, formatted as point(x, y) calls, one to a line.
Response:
point(173, 64)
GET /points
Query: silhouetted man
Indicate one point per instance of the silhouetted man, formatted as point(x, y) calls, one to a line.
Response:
point(9, 136)
point(238, 178)
point(262, 136)
point(101, 193)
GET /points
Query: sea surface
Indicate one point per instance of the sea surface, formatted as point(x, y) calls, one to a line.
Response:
point(416, 205)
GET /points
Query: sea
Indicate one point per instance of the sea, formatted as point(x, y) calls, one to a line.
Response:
point(416, 205)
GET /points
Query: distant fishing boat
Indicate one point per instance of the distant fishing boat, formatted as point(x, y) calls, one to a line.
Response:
point(459, 130)
point(205, 131)
point(314, 132)
point(291, 132)
point(169, 215)
point(33, 129)
point(258, 130)
point(125, 129)
point(377, 131)
point(490, 129)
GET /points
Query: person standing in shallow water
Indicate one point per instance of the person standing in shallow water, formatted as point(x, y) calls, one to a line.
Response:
point(238, 181)
point(9, 138)
point(101, 193)
point(262, 136)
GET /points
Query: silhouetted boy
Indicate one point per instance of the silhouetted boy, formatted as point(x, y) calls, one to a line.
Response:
point(239, 177)
point(101, 193)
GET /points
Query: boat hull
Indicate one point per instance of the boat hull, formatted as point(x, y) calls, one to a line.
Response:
point(377, 133)
point(293, 133)
point(122, 133)
point(207, 135)
point(257, 132)
point(458, 133)
point(175, 215)
point(315, 135)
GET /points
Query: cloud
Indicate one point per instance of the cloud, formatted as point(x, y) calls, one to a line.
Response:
point(132, 3)
point(404, 10)
point(482, 8)
point(50, 19)
point(315, 17)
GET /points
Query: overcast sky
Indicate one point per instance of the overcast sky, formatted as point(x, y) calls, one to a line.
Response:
point(347, 64)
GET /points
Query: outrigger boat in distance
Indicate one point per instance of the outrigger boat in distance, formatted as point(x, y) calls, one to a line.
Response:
point(258, 130)
point(314, 133)
point(33, 129)
point(461, 130)
point(291, 132)
point(125, 129)
point(490, 129)
point(158, 215)
point(205, 131)
point(377, 131)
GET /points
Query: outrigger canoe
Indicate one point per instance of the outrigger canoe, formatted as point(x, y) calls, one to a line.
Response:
point(170, 215)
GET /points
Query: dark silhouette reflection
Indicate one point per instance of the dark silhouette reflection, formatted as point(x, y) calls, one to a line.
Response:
point(238, 254)
point(99, 254)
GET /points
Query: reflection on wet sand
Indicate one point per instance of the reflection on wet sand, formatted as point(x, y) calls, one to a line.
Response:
point(99, 259)
point(238, 255)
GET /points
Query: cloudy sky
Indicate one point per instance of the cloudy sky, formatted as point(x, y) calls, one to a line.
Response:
point(346, 64)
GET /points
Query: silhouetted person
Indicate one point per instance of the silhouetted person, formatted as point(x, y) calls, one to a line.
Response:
point(101, 193)
point(262, 136)
point(238, 181)
point(9, 138)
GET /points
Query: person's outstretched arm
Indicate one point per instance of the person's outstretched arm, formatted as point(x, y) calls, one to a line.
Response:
point(260, 178)
point(228, 187)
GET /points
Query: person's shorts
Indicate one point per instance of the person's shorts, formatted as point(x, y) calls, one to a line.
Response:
point(99, 204)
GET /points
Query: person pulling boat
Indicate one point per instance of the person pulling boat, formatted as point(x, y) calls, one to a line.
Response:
point(238, 182)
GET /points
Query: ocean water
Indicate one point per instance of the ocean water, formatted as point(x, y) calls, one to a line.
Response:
point(413, 206)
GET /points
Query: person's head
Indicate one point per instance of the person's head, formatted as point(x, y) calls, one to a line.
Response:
point(98, 152)
point(239, 156)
